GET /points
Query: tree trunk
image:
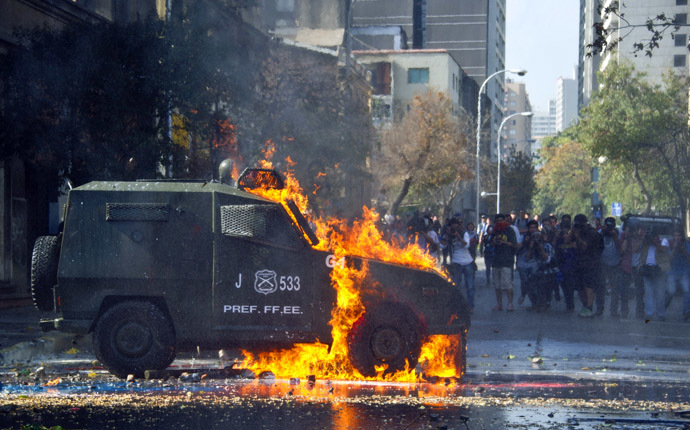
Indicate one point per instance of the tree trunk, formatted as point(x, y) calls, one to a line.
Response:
point(401, 196)
point(675, 184)
point(643, 188)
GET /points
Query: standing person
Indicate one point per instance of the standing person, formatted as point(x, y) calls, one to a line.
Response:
point(488, 249)
point(530, 254)
point(565, 256)
point(611, 270)
point(481, 229)
point(634, 239)
point(503, 241)
point(548, 233)
point(461, 260)
point(425, 236)
point(445, 257)
point(680, 271)
point(587, 262)
point(655, 263)
point(520, 222)
point(474, 240)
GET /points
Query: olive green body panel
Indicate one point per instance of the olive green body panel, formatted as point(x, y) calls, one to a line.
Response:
point(229, 268)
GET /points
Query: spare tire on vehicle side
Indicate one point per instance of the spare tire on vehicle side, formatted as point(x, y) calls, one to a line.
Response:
point(44, 266)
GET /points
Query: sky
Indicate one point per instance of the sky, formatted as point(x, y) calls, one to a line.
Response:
point(542, 36)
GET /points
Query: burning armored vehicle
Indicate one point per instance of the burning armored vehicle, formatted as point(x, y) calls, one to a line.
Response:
point(155, 267)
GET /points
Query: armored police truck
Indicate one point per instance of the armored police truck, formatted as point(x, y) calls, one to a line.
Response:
point(155, 267)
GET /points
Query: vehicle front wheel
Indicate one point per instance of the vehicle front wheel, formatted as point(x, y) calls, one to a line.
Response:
point(389, 335)
point(132, 337)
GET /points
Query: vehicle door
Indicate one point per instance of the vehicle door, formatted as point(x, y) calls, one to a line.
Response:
point(263, 276)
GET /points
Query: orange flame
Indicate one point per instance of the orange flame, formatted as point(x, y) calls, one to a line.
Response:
point(360, 238)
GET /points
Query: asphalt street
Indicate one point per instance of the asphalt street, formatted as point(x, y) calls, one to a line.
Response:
point(507, 343)
point(525, 370)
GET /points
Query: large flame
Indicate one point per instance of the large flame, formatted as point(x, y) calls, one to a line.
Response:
point(360, 238)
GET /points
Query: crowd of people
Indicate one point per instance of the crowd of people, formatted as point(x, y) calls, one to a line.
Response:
point(560, 259)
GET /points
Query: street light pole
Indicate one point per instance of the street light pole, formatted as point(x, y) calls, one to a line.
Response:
point(519, 72)
point(498, 144)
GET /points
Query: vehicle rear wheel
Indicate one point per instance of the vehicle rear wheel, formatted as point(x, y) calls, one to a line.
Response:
point(132, 337)
point(388, 335)
point(44, 265)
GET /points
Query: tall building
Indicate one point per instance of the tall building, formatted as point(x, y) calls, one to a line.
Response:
point(671, 54)
point(543, 125)
point(566, 103)
point(472, 31)
point(517, 132)
point(399, 75)
point(588, 65)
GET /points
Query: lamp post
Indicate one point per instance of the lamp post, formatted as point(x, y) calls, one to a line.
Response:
point(498, 144)
point(519, 72)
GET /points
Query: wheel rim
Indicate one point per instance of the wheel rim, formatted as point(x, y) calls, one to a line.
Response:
point(386, 344)
point(133, 339)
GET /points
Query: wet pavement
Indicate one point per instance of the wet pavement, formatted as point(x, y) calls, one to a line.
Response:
point(525, 370)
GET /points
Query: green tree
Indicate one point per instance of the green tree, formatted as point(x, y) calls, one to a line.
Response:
point(85, 101)
point(564, 181)
point(91, 102)
point(640, 129)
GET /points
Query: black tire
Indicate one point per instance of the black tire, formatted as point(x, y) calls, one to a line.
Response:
point(132, 337)
point(389, 334)
point(44, 265)
point(461, 355)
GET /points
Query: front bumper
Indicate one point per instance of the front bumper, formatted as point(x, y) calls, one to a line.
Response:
point(68, 326)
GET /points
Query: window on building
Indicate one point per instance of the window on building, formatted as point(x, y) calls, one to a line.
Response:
point(679, 61)
point(681, 39)
point(514, 122)
point(513, 132)
point(681, 2)
point(381, 78)
point(285, 5)
point(418, 76)
point(681, 18)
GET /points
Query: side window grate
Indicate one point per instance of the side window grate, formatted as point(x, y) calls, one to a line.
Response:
point(262, 223)
point(136, 212)
point(257, 221)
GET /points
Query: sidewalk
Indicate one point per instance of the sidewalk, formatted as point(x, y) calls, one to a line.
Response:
point(22, 340)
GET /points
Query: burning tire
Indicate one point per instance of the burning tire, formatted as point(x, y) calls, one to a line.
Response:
point(132, 337)
point(388, 335)
point(44, 265)
point(461, 355)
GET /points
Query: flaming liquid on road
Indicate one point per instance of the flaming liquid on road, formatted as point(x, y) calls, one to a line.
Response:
point(361, 238)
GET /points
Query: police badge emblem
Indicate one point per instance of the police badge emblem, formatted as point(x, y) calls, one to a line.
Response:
point(265, 282)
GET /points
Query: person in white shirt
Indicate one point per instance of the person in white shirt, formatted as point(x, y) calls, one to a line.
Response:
point(461, 259)
point(655, 263)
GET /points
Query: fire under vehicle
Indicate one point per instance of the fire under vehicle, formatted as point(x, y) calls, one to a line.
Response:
point(155, 267)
